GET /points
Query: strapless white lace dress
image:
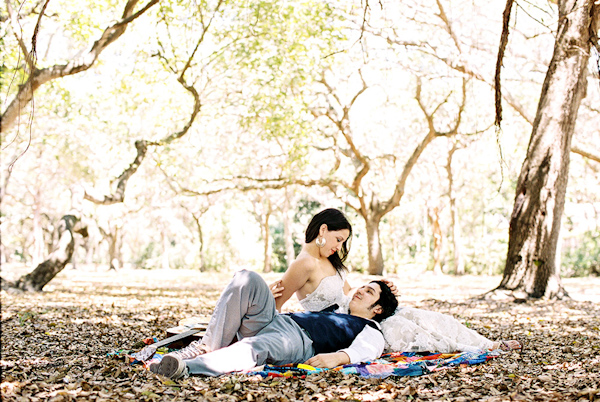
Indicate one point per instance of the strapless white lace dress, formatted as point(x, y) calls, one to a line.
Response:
point(416, 330)
point(330, 291)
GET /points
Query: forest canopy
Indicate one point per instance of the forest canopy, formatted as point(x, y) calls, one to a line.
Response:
point(204, 134)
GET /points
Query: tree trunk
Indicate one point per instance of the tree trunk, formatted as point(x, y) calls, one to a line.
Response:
point(201, 248)
point(267, 244)
point(434, 220)
point(113, 249)
point(56, 262)
point(540, 194)
point(196, 217)
point(290, 254)
point(374, 246)
point(459, 263)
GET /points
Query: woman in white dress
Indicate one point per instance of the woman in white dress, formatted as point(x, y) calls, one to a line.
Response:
point(318, 277)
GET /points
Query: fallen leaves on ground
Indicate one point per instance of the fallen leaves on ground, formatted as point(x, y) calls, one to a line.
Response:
point(55, 346)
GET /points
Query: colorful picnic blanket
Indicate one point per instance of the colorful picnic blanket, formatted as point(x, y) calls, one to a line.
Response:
point(391, 364)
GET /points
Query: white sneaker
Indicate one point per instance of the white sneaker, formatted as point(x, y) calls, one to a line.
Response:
point(171, 366)
point(191, 351)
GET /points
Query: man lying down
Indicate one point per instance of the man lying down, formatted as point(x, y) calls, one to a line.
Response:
point(246, 312)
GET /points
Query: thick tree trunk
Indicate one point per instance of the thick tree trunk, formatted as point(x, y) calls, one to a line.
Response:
point(56, 262)
point(540, 195)
point(374, 246)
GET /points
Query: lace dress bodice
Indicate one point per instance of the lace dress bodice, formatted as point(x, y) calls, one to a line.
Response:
point(330, 291)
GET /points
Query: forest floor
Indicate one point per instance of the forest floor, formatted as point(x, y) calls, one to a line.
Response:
point(55, 343)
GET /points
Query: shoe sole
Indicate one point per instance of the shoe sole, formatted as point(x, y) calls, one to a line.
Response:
point(171, 367)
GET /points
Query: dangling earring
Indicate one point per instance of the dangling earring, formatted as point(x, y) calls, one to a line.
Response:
point(320, 242)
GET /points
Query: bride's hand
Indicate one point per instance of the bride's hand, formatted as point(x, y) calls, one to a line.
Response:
point(276, 288)
point(391, 286)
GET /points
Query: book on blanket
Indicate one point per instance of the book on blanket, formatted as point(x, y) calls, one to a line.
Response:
point(188, 330)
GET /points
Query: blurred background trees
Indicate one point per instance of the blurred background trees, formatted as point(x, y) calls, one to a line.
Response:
point(257, 114)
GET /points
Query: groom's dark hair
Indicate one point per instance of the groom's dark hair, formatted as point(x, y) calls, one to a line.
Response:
point(387, 301)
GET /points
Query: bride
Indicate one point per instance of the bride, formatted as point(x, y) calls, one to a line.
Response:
point(318, 278)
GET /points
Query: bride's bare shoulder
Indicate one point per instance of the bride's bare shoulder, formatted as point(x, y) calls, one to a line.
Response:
point(304, 262)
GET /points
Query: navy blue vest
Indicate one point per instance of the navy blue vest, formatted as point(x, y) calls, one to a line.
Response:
point(331, 332)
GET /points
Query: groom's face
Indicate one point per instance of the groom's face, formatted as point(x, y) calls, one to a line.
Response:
point(362, 303)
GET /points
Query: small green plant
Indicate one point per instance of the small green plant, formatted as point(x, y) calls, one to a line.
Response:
point(25, 316)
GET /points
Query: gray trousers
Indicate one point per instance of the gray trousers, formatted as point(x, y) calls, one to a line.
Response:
point(246, 311)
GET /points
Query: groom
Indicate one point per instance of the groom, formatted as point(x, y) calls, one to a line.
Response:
point(246, 311)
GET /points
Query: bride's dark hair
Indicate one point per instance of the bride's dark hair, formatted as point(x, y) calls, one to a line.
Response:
point(335, 220)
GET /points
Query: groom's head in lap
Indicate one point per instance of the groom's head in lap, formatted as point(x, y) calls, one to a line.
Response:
point(374, 301)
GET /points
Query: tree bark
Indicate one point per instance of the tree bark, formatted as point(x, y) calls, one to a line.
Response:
point(56, 262)
point(374, 245)
point(540, 194)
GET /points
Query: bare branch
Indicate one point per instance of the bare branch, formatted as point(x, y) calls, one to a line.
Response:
point(205, 28)
point(501, 49)
point(35, 34)
point(142, 145)
point(394, 200)
point(119, 195)
point(448, 26)
point(585, 154)
point(464, 69)
point(18, 33)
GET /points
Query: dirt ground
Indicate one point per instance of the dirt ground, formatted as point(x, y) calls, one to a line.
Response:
point(55, 343)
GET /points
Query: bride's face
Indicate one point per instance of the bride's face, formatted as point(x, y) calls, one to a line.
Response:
point(333, 241)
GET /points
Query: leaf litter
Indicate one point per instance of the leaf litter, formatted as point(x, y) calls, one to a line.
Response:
point(55, 346)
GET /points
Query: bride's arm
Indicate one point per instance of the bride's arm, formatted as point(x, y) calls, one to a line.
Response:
point(294, 279)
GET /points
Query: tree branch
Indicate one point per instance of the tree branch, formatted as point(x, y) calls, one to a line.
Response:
point(38, 77)
point(585, 154)
point(18, 33)
point(501, 49)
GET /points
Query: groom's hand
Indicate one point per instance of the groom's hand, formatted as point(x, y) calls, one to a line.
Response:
point(276, 288)
point(328, 360)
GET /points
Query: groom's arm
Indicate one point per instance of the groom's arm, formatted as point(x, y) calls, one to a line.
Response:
point(328, 360)
point(368, 345)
